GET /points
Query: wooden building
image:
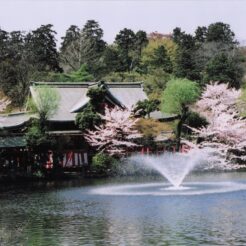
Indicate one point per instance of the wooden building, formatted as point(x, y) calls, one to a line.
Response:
point(72, 100)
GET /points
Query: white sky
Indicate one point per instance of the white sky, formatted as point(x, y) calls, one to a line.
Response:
point(149, 15)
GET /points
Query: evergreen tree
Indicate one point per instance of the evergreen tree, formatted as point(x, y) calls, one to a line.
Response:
point(4, 39)
point(70, 50)
point(185, 66)
point(92, 46)
point(220, 32)
point(161, 59)
point(224, 68)
point(125, 42)
point(201, 34)
point(41, 48)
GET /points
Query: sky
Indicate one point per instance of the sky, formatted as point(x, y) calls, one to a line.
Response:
point(149, 15)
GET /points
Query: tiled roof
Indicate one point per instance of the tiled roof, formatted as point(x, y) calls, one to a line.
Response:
point(73, 96)
point(15, 119)
point(158, 115)
point(12, 142)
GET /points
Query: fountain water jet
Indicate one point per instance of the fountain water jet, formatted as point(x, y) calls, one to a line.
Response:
point(173, 166)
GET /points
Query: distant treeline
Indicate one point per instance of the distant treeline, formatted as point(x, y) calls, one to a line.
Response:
point(211, 54)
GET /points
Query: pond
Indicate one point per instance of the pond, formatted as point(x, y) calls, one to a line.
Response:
point(76, 213)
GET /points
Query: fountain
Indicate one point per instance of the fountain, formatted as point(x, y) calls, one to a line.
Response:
point(173, 166)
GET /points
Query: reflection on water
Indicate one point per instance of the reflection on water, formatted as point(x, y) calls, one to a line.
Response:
point(61, 215)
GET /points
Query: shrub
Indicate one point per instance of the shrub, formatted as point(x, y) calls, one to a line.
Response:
point(88, 119)
point(103, 164)
point(194, 120)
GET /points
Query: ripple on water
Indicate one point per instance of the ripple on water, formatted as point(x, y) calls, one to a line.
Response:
point(163, 189)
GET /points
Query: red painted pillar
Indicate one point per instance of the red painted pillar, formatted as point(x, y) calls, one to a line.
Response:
point(147, 150)
point(142, 151)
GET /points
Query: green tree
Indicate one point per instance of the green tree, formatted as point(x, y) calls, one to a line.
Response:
point(44, 103)
point(220, 32)
point(104, 164)
point(4, 39)
point(80, 75)
point(92, 47)
point(161, 59)
point(146, 106)
point(176, 99)
point(185, 65)
point(89, 117)
point(110, 60)
point(97, 97)
point(41, 48)
point(125, 42)
point(72, 34)
point(70, 49)
point(224, 68)
point(155, 82)
point(15, 69)
point(152, 54)
point(141, 41)
point(201, 34)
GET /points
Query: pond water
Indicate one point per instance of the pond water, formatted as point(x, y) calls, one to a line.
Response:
point(79, 213)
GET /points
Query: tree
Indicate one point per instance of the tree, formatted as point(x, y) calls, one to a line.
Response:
point(224, 68)
point(92, 46)
point(4, 103)
point(110, 60)
point(125, 42)
point(201, 34)
point(41, 48)
point(116, 135)
point(81, 75)
point(145, 107)
point(16, 45)
point(155, 82)
point(70, 49)
point(3, 45)
point(15, 70)
point(155, 57)
point(242, 103)
point(84, 46)
point(220, 32)
point(103, 164)
point(141, 41)
point(72, 34)
point(185, 66)
point(161, 59)
point(97, 97)
point(44, 103)
point(225, 133)
point(176, 99)
point(89, 117)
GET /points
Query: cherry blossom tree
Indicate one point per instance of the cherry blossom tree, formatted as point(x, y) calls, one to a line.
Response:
point(3, 104)
point(225, 135)
point(116, 135)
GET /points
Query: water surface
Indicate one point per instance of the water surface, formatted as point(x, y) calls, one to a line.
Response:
point(69, 213)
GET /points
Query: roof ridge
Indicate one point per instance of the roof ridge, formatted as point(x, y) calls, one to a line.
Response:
point(15, 113)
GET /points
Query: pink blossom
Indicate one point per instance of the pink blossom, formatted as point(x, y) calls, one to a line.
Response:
point(4, 103)
point(116, 135)
point(225, 134)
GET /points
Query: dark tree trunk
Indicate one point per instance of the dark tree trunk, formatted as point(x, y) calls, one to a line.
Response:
point(180, 124)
